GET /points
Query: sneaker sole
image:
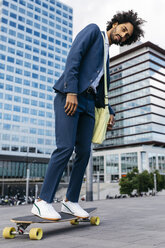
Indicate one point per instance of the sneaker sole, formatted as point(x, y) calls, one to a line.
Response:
point(75, 215)
point(47, 218)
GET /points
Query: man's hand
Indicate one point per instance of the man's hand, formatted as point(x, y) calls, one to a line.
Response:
point(111, 122)
point(71, 104)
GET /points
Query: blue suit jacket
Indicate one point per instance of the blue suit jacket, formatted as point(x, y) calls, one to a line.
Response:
point(84, 62)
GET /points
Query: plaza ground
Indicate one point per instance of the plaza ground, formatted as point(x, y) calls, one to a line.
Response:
point(125, 223)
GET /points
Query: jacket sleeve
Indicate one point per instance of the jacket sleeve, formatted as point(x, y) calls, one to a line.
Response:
point(80, 46)
point(111, 111)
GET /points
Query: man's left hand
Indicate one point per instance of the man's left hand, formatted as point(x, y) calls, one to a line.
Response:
point(111, 122)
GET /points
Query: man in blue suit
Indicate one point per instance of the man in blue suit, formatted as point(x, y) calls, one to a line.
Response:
point(79, 90)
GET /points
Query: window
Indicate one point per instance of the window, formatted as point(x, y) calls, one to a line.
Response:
point(29, 30)
point(43, 53)
point(18, 80)
point(13, 24)
point(2, 66)
point(26, 92)
point(10, 59)
point(11, 50)
point(2, 57)
point(19, 35)
point(36, 33)
point(26, 82)
point(12, 32)
point(3, 29)
point(27, 56)
point(5, 12)
point(19, 62)
point(28, 38)
point(20, 53)
point(34, 75)
point(36, 25)
point(35, 67)
point(18, 89)
point(28, 47)
point(7, 117)
point(20, 27)
point(35, 58)
point(27, 64)
point(3, 38)
point(22, 2)
point(37, 9)
point(37, 17)
point(20, 44)
point(4, 20)
point(26, 101)
point(42, 69)
point(25, 110)
point(13, 6)
point(34, 93)
point(10, 68)
point(16, 118)
point(13, 15)
point(35, 50)
point(36, 42)
point(43, 44)
point(5, 3)
point(9, 78)
point(17, 108)
point(42, 87)
point(30, 14)
point(27, 73)
point(44, 20)
point(18, 71)
point(17, 99)
point(11, 41)
point(45, 13)
point(8, 106)
point(22, 10)
point(29, 22)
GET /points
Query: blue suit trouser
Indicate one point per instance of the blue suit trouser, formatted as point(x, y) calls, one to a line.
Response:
point(71, 132)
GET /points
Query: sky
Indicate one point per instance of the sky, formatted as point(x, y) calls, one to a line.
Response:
point(100, 11)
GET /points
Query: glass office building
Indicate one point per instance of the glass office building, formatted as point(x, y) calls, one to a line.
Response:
point(35, 37)
point(137, 94)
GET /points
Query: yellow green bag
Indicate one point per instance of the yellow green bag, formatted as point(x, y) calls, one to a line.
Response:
point(102, 115)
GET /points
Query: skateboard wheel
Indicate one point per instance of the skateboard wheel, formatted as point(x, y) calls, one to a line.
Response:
point(36, 233)
point(74, 222)
point(8, 232)
point(95, 220)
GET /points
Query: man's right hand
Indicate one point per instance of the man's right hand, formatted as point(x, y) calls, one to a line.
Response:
point(71, 104)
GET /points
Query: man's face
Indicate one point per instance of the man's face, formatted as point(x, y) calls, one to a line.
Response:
point(121, 32)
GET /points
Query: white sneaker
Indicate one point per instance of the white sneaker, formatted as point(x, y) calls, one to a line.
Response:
point(45, 210)
point(74, 209)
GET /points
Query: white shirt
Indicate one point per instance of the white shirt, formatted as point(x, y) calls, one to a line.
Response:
point(97, 80)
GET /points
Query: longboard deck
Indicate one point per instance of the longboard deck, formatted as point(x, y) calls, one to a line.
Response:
point(29, 219)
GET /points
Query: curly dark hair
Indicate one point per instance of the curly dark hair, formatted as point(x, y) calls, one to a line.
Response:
point(132, 17)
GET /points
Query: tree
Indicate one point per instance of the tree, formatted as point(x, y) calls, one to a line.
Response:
point(145, 182)
point(126, 186)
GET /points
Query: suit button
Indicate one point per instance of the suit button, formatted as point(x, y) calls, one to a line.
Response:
point(91, 81)
point(98, 71)
point(65, 85)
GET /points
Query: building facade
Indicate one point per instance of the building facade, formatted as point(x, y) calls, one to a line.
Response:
point(137, 94)
point(35, 37)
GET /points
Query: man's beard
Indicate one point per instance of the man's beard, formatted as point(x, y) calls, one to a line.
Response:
point(113, 40)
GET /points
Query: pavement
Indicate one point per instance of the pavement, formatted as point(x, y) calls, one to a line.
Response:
point(125, 223)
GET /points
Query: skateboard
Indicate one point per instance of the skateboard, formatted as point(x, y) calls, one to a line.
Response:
point(37, 233)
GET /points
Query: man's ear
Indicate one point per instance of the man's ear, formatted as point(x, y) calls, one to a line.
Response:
point(114, 25)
